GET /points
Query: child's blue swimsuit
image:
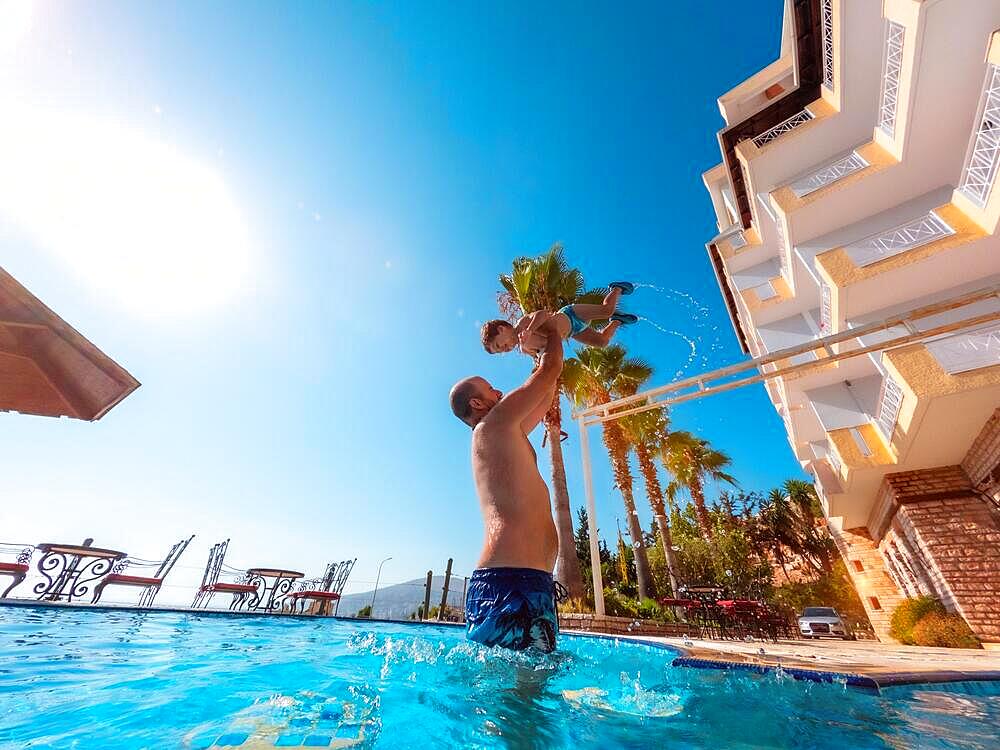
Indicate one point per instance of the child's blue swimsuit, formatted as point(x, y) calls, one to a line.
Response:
point(513, 608)
point(576, 325)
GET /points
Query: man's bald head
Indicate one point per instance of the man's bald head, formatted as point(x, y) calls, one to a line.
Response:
point(472, 398)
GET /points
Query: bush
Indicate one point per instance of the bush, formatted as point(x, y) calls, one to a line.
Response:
point(618, 605)
point(906, 616)
point(947, 630)
point(650, 610)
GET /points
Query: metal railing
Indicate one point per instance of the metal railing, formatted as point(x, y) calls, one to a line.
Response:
point(914, 233)
point(889, 402)
point(891, 67)
point(826, 20)
point(785, 126)
point(984, 151)
point(828, 173)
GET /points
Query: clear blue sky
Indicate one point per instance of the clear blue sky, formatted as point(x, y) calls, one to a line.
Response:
point(386, 162)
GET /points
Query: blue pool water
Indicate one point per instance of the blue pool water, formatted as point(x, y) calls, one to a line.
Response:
point(108, 680)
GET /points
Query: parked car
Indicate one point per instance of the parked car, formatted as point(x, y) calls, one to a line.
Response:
point(819, 622)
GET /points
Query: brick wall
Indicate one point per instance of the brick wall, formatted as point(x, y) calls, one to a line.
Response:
point(958, 542)
point(982, 463)
point(944, 539)
point(859, 550)
point(624, 625)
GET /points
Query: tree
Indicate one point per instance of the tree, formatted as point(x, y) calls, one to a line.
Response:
point(647, 432)
point(691, 460)
point(817, 546)
point(548, 283)
point(777, 524)
point(365, 611)
point(592, 378)
point(582, 541)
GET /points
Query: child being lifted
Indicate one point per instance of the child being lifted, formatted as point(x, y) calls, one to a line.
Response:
point(572, 321)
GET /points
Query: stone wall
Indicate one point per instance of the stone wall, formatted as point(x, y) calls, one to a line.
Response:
point(982, 463)
point(960, 542)
point(944, 541)
point(624, 625)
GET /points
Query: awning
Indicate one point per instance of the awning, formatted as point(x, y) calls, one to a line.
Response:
point(46, 367)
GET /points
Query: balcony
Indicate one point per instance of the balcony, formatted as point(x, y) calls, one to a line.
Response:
point(914, 250)
point(943, 387)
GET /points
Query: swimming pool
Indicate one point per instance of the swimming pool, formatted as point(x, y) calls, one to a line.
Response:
point(125, 679)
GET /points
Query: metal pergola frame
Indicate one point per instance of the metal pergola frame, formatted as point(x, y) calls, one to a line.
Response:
point(704, 385)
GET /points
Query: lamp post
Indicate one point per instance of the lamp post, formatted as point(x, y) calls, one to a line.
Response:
point(371, 607)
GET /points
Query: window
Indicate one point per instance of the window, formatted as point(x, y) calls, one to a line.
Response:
point(874, 603)
point(858, 566)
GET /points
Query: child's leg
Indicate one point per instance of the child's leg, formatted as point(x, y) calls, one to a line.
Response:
point(600, 339)
point(603, 311)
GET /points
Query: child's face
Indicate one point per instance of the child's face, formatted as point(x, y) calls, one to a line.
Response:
point(504, 341)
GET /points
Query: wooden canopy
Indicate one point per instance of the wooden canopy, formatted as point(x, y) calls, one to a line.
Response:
point(46, 367)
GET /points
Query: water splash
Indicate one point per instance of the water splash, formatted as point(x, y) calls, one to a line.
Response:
point(704, 337)
point(692, 345)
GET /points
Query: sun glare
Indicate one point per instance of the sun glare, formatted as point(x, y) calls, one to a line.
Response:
point(15, 22)
point(136, 219)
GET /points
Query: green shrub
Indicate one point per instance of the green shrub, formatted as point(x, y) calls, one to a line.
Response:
point(909, 613)
point(650, 610)
point(947, 630)
point(618, 605)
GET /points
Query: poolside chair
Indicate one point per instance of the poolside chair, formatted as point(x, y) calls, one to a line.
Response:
point(210, 584)
point(323, 590)
point(150, 585)
point(18, 569)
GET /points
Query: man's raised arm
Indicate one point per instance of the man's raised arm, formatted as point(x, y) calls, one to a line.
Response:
point(527, 405)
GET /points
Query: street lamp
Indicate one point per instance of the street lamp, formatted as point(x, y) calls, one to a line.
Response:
point(371, 607)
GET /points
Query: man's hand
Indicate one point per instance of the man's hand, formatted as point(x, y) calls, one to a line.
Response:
point(532, 343)
point(527, 405)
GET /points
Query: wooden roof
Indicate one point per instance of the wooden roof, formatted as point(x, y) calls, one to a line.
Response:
point(46, 367)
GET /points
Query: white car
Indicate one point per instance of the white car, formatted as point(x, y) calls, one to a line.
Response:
point(819, 622)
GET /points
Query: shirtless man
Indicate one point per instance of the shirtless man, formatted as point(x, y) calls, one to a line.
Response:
point(511, 597)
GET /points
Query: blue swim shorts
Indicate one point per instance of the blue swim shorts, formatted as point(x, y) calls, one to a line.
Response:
point(576, 325)
point(512, 607)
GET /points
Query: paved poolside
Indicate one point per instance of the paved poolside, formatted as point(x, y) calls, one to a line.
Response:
point(886, 664)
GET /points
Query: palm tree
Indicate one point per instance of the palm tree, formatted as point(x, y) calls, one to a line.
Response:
point(593, 377)
point(548, 283)
point(778, 532)
point(691, 460)
point(647, 431)
point(815, 545)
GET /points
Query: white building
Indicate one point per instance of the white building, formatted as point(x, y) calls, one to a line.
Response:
point(856, 184)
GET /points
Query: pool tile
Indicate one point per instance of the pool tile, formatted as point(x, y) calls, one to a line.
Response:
point(317, 740)
point(202, 741)
point(289, 740)
point(231, 740)
point(347, 732)
point(300, 721)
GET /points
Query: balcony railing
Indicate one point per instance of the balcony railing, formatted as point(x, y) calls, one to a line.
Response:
point(782, 251)
point(785, 126)
point(828, 173)
point(891, 68)
point(826, 17)
point(984, 151)
point(967, 351)
point(919, 231)
point(825, 309)
point(889, 402)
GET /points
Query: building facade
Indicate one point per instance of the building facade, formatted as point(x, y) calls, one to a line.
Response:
point(857, 184)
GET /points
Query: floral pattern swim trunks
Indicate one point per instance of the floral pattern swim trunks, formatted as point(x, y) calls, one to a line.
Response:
point(512, 607)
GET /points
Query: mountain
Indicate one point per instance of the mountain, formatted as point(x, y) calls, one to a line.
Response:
point(399, 601)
